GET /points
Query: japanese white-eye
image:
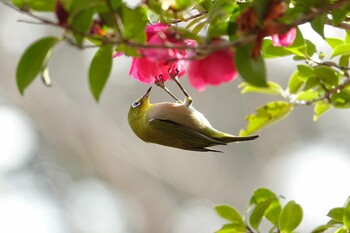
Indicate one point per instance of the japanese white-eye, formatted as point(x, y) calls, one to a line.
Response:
point(176, 125)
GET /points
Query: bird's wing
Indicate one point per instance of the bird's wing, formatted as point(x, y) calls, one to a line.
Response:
point(183, 136)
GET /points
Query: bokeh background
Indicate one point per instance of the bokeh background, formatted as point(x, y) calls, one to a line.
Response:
point(71, 165)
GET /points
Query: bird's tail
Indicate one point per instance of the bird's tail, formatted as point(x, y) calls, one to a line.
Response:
point(227, 138)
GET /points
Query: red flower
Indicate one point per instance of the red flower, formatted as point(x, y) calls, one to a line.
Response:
point(214, 69)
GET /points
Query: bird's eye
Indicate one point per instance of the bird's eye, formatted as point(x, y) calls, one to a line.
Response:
point(135, 104)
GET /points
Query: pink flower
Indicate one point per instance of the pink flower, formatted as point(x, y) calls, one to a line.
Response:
point(156, 64)
point(286, 39)
point(214, 69)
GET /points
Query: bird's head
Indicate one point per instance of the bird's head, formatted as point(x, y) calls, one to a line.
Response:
point(140, 105)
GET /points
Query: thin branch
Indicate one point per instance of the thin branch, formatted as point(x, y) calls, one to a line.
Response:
point(189, 18)
point(341, 25)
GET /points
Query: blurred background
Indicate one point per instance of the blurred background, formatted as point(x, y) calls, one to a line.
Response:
point(71, 165)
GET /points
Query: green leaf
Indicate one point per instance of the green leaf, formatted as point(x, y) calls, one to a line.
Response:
point(295, 82)
point(36, 5)
point(346, 216)
point(338, 16)
point(308, 95)
point(311, 83)
point(266, 115)
point(231, 228)
point(81, 24)
point(198, 28)
point(318, 24)
point(100, 69)
point(258, 213)
point(344, 61)
point(231, 215)
point(273, 212)
point(327, 75)
point(270, 51)
point(322, 228)
point(260, 195)
point(33, 61)
point(341, 99)
point(134, 21)
point(310, 48)
point(305, 71)
point(252, 70)
point(291, 217)
point(341, 230)
point(272, 88)
point(343, 49)
point(334, 42)
point(321, 107)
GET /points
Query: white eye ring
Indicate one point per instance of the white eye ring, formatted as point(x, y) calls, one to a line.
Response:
point(135, 104)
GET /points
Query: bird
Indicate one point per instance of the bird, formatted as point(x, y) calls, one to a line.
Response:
point(176, 125)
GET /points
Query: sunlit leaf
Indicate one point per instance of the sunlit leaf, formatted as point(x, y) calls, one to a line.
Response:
point(334, 42)
point(295, 82)
point(260, 195)
point(266, 115)
point(327, 75)
point(258, 213)
point(336, 214)
point(343, 49)
point(100, 69)
point(290, 217)
point(272, 88)
point(230, 214)
point(321, 107)
point(308, 95)
point(346, 216)
point(33, 61)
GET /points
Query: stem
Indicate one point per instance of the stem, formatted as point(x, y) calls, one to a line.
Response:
point(188, 99)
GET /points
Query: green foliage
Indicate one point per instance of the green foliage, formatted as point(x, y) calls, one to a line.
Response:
point(266, 115)
point(251, 69)
point(33, 61)
point(291, 217)
point(320, 80)
point(100, 68)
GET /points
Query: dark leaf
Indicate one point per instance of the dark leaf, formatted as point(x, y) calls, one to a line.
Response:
point(33, 61)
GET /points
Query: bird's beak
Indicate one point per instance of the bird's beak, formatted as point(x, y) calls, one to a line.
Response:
point(146, 96)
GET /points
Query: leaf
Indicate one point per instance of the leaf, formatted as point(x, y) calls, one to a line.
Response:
point(230, 214)
point(338, 16)
point(258, 213)
point(198, 28)
point(33, 61)
point(305, 71)
point(231, 228)
point(344, 61)
point(341, 99)
point(81, 25)
point(260, 195)
point(266, 115)
point(318, 24)
point(341, 230)
point(134, 22)
point(327, 75)
point(322, 228)
point(273, 212)
point(252, 70)
point(100, 69)
point(346, 216)
point(36, 5)
point(321, 107)
point(272, 88)
point(291, 217)
point(295, 82)
point(334, 42)
point(343, 49)
point(308, 95)
point(270, 51)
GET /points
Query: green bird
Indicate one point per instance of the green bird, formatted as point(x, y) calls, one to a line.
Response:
point(176, 125)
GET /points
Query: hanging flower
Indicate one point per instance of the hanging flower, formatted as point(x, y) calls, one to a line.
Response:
point(214, 69)
point(157, 64)
point(284, 40)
